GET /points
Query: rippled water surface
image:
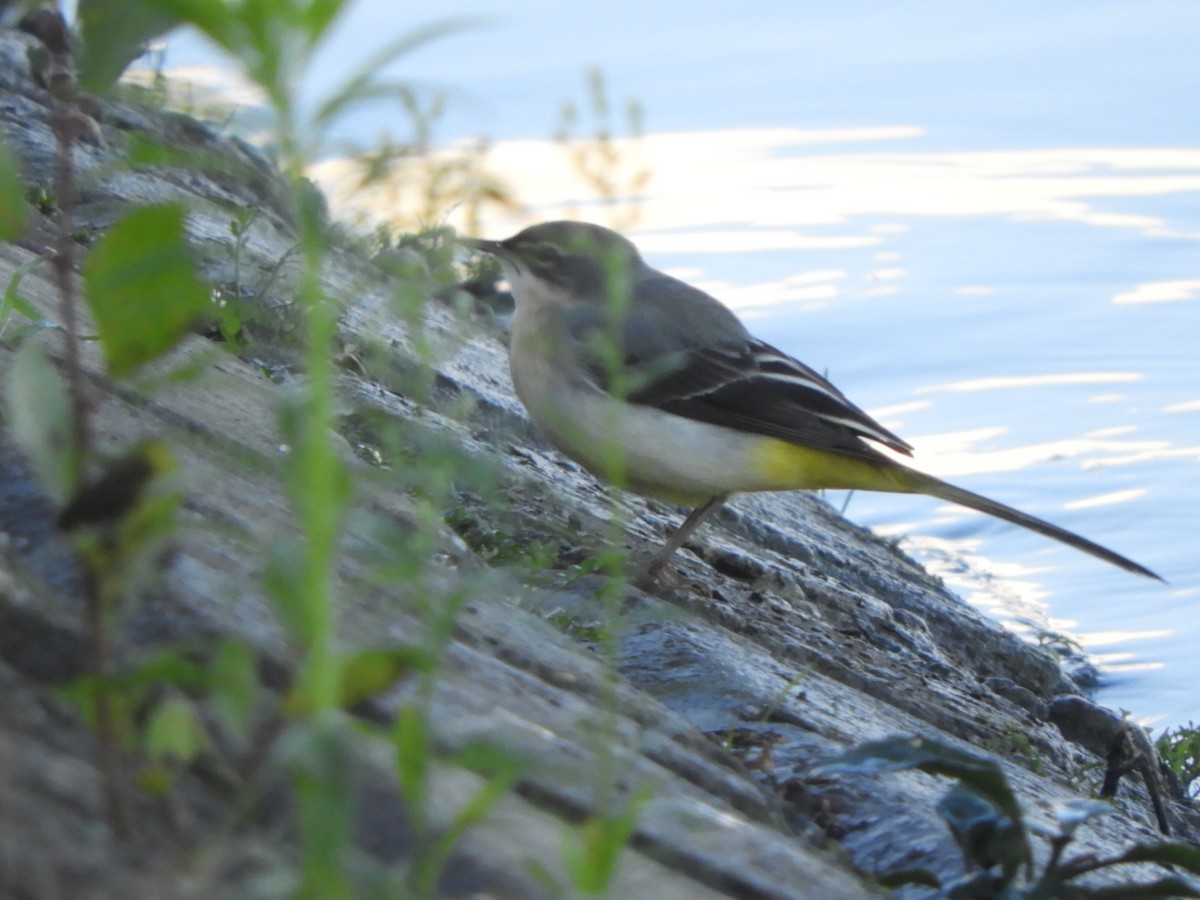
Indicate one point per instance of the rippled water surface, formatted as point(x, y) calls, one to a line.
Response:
point(982, 220)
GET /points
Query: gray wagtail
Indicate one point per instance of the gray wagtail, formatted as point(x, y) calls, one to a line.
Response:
point(654, 385)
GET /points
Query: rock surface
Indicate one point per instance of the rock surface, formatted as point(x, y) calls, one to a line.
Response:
point(785, 636)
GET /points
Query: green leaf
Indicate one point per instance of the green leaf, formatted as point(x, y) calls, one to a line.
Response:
point(119, 490)
point(281, 577)
point(467, 817)
point(172, 667)
point(410, 737)
point(599, 842)
point(83, 694)
point(12, 196)
point(174, 731)
point(902, 877)
point(984, 834)
point(900, 754)
point(155, 779)
point(992, 886)
point(489, 760)
point(1169, 888)
point(151, 519)
point(370, 672)
point(39, 414)
point(981, 776)
point(115, 33)
point(364, 86)
point(129, 689)
point(13, 301)
point(143, 150)
point(234, 686)
point(1166, 853)
point(319, 753)
point(216, 21)
point(319, 16)
point(142, 288)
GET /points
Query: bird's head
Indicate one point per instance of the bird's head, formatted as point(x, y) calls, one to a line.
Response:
point(586, 260)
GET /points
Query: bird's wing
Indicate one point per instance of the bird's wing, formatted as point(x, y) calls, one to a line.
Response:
point(779, 396)
point(671, 361)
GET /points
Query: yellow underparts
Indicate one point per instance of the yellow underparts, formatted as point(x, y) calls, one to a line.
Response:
point(788, 467)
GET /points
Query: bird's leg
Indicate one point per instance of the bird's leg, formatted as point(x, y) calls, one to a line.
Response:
point(690, 524)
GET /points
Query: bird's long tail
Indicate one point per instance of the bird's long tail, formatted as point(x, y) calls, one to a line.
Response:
point(945, 491)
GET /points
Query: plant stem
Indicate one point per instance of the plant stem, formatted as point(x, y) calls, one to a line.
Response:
point(65, 120)
point(106, 735)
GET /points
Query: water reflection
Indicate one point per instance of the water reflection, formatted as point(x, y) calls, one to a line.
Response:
point(1010, 592)
point(773, 186)
point(1108, 499)
point(1161, 292)
point(956, 453)
point(1032, 381)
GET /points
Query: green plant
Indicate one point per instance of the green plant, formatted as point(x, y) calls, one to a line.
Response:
point(1060, 643)
point(1180, 749)
point(12, 301)
point(1013, 743)
point(988, 825)
point(499, 545)
point(593, 852)
point(272, 44)
point(759, 739)
point(153, 712)
point(416, 763)
point(12, 196)
point(237, 305)
point(143, 293)
point(239, 230)
point(603, 163)
point(171, 708)
point(417, 184)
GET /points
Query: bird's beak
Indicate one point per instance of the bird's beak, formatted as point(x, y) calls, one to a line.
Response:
point(493, 247)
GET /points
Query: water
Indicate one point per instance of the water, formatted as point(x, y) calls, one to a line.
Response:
point(980, 219)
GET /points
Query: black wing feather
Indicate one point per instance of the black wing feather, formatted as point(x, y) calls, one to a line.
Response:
point(670, 362)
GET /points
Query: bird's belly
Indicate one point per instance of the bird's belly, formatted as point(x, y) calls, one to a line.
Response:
point(647, 450)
